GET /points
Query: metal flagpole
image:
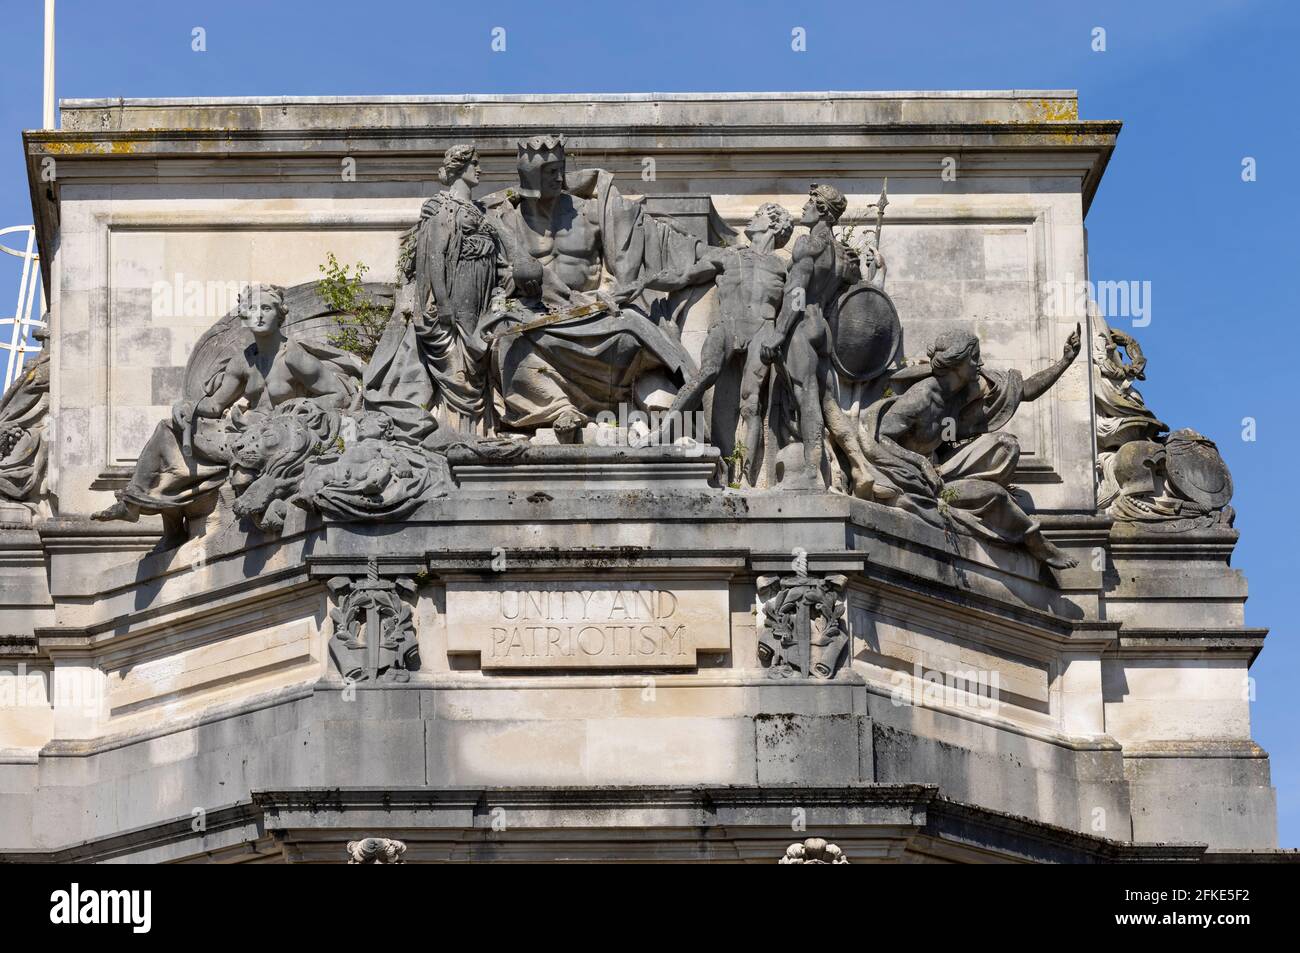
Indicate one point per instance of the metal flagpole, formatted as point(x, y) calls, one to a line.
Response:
point(48, 114)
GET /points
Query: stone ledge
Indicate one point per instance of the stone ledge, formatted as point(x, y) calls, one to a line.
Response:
point(1161, 643)
point(1050, 106)
point(581, 468)
point(879, 822)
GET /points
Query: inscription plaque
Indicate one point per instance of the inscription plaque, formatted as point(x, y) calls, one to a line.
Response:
point(549, 623)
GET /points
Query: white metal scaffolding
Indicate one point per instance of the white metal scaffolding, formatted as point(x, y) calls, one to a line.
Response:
point(16, 339)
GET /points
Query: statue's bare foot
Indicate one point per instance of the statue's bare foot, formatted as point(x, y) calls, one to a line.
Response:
point(1061, 561)
point(567, 425)
point(863, 486)
point(118, 511)
point(1049, 552)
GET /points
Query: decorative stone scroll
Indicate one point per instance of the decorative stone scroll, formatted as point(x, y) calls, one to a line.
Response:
point(802, 631)
point(374, 632)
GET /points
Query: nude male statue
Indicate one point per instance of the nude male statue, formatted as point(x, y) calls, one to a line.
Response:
point(822, 266)
point(751, 284)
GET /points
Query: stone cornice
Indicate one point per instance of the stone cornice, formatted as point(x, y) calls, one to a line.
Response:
point(1013, 132)
point(1137, 641)
point(748, 823)
point(1055, 106)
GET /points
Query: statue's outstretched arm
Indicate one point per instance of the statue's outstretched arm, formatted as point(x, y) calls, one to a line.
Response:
point(698, 273)
point(1036, 385)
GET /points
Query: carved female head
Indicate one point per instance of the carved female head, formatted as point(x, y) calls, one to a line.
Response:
point(459, 163)
point(262, 309)
point(956, 351)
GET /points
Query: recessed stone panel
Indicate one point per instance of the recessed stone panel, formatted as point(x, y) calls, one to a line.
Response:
point(587, 623)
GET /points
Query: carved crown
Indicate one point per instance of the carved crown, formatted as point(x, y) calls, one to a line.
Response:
point(543, 148)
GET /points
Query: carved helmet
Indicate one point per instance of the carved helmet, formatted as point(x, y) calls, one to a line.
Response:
point(829, 199)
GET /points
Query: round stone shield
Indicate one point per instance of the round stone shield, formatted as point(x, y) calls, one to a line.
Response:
point(867, 333)
point(1196, 471)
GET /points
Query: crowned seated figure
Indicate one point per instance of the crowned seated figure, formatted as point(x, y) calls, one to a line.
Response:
point(575, 333)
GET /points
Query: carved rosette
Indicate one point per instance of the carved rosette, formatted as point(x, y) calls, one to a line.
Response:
point(802, 631)
point(374, 629)
point(377, 850)
point(814, 850)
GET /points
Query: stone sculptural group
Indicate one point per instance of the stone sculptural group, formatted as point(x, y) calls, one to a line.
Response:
point(535, 314)
point(1167, 482)
point(526, 315)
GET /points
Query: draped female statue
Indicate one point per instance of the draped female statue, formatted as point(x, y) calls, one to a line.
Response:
point(449, 272)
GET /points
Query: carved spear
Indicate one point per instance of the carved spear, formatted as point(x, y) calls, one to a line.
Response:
point(881, 204)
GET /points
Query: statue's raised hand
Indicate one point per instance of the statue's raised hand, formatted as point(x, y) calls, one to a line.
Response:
point(1073, 344)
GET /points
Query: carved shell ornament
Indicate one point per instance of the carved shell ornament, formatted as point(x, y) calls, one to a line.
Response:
point(814, 850)
point(376, 850)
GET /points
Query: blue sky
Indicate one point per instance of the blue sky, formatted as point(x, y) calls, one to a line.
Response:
point(1199, 86)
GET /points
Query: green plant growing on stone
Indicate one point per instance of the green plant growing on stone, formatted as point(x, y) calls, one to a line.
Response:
point(847, 232)
point(946, 497)
point(406, 255)
point(735, 462)
point(361, 322)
